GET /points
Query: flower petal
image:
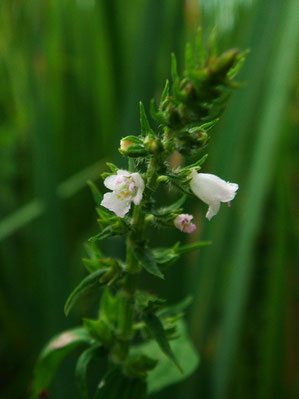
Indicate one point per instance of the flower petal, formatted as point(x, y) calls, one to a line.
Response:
point(210, 188)
point(112, 202)
point(138, 180)
point(122, 172)
point(111, 182)
point(139, 183)
point(213, 210)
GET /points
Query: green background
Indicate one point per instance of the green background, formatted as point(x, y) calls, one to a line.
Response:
point(71, 75)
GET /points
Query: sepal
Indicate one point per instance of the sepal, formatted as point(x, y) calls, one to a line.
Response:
point(139, 365)
point(99, 331)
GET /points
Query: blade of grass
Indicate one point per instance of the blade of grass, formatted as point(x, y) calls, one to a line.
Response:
point(29, 212)
point(258, 185)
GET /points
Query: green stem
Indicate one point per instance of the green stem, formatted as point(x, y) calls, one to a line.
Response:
point(135, 238)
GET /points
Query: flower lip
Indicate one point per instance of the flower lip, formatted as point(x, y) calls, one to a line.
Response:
point(212, 190)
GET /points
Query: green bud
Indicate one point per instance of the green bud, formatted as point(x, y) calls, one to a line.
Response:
point(223, 63)
point(170, 113)
point(138, 365)
point(132, 146)
point(99, 331)
point(153, 145)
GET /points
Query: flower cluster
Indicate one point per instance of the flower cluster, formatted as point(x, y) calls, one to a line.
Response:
point(128, 187)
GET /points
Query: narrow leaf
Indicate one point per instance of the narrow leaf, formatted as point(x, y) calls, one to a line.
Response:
point(147, 259)
point(191, 247)
point(116, 385)
point(82, 365)
point(174, 71)
point(112, 167)
point(165, 373)
point(201, 52)
point(176, 205)
point(53, 354)
point(91, 281)
point(105, 233)
point(97, 195)
point(156, 329)
point(189, 58)
point(144, 124)
point(165, 91)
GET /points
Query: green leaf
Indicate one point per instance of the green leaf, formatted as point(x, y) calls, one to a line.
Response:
point(109, 308)
point(164, 256)
point(138, 365)
point(184, 249)
point(115, 385)
point(165, 92)
point(168, 209)
point(93, 265)
point(200, 50)
point(197, 163)
point(53, 354)
point(189, 58)
point(144, 124)
point(146, 257)
point(99, 331)
point(97, 195)
point(175, 309)
point(112, 167)
point(156, 328)
point(91, 281)
point(83, 362)
point(174, 70)
point(105, 233)
point(165, 373)
point(92, 250)
point(147, 302)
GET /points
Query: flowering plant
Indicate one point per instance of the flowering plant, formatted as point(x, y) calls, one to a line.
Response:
point(133, 329)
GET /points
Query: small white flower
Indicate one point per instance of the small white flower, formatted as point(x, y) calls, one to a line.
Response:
point(183, 223)
point(212, 190)
point(126, 188)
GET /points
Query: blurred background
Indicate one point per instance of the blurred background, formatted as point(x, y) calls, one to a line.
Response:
point(71, 75)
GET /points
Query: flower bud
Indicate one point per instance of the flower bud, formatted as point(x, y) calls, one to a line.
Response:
point(132, 146)
point(153, 145)
point(223, 63)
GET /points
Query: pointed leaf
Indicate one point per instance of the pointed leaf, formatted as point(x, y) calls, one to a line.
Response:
point(165, 91)
point(144, 124)
point(168, 209)
point(174, 71)
point(164, 256)
point(165, 373)
point(201, 52)
point(99, 331)
point(91, 281)
point(184, 249)
point(112, 167)
point(53, 354)
point(147, 259)
point(105, 233)
point(82, 365)
point(189, 58)
point(157, 330)
point(97, 195)
point(116, 385)
point(92, 250)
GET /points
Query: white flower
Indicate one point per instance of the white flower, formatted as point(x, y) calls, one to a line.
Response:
point(212, 190)
point(126, 188)
point(183, 223)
